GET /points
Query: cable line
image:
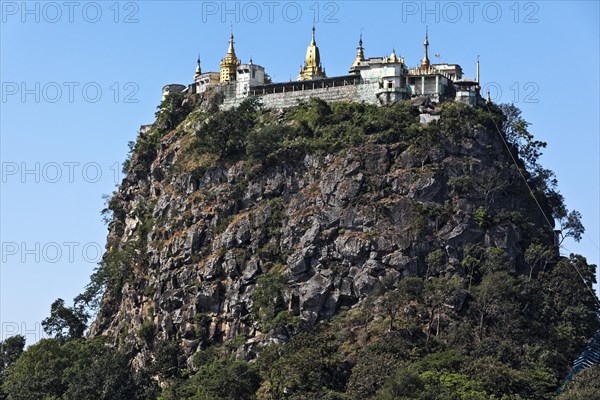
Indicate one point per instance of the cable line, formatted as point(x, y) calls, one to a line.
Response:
point(535, 198)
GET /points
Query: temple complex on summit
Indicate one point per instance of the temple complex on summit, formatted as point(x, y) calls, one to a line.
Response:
point(376, 80)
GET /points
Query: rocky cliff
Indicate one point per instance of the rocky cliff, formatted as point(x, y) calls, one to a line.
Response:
point(203, 239)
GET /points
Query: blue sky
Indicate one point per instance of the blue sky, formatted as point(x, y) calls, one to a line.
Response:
point(79, 79)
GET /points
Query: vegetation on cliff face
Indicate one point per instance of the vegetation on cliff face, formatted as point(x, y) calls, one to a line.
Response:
point(330, 251)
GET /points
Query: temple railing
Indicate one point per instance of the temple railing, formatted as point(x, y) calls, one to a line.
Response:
point(298, 86)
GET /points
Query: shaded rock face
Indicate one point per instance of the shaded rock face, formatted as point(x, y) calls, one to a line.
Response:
point(338, 224)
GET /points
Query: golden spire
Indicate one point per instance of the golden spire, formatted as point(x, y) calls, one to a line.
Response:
point(229, 63)
point(312, 62)
point(231, 50)
point(488, 99)
point(198, 69)
point(393, 58)
point(425, 62)
point(360, 56)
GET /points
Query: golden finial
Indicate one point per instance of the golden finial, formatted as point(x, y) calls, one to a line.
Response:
point(231, 50)
point(488, 98)
point(312, 62)
point(229, 63)
point(393, 57)
point(360, 56)
point(425, 62)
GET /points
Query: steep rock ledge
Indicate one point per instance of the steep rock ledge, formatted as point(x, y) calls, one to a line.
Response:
point(333, 225)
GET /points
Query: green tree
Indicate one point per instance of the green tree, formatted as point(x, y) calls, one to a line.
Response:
point(569, 307)
point(97, 372)
point(78, 369)
point(584, 386)
point(489, 182)
point(494, 302)
point(267, 298)
point(109, 276)
point(223, 378)
point(172, 111)
point(166, 359)
point(472, 262)
point(571, 226)
point(263, 142)
point(146, 332)
point(10, 351)
point(436, 376)
point(515, 130)
point(309, 364)
point(39, 372)
point(439, 295)
point(65, 323)
point(370, 373)
point(225, 134)
point(435, 261)
point(406, 384)
point(538, 257)
point(378, 361)
point(529, 150)
point(394, 299)
point(496, 260)
point(483, 218)
point(448, 385)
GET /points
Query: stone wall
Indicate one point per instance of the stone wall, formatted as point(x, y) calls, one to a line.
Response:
point(364, 92)
point(367, 92)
